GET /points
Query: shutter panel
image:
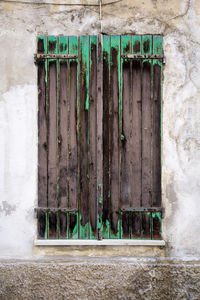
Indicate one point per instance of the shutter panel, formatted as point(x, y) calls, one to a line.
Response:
point(132, 136)
point(99, 168)
point(67, 112)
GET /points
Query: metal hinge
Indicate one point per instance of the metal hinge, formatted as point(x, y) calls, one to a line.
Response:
point(54, 209)
point(41, 56)
point(144, 209)
point(142, 56)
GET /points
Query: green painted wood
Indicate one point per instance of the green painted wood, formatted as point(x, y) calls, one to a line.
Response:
point(136, 44)
point(72, 137)
point(147, 44)
point(106, 136)
point(99, 141)
point(92, 137)
point(81, 77)
point(52, 44)
point(84, 137)
point(63, 115)
point(126, 69)
point(157, 44)
point(157, 225)
point(114, 136)
point(63, 44)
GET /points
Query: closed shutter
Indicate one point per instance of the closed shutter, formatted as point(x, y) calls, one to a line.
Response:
point(99, 124)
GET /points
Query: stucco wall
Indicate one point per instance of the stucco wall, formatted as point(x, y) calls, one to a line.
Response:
point(179, 22)
point(113, 279)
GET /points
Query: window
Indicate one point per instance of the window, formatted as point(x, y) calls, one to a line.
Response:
point(99, 122)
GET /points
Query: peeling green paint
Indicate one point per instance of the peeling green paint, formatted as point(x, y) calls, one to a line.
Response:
point(122, 137)
point(147, 44)
point(84, 49)
point(136, 44)
point(100, 193)
point(128, 44)
point(157, 44)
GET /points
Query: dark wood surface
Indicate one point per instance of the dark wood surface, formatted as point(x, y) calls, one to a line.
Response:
point(99, 137)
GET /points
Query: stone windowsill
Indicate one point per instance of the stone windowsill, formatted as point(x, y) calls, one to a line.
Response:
point(111, 242)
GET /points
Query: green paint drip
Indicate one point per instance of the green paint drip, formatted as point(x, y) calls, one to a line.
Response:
point(84, 43)
point(100, 194)
point(46, 227)
point(87, 103)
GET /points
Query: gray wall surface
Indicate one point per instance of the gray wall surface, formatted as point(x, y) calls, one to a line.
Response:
point(179, 22)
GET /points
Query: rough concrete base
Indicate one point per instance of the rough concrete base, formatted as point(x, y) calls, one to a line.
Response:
point(99, 279)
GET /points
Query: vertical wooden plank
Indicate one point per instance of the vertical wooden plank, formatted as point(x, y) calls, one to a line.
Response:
point(52, 137)
point(63, 225)
point(114, 135)
point(63, 135)
point(92, 136)
point(52, 130)
point(52, 225)
point(156, 219)
point(146, 134)
point(42, 127)
point(41, 224)
point(106, 135)
point(100, 136)
point(156, 136)
point(126, 230)
point(84, 105)
point(126, 145)
point(136, 44)
point(73, 49)
point(72, 150)
point(156, 132)
point(147, 44)
point(136, 134)
point(63, 45)
point(157, 44)
point(136, 225)
point(136, 157)
point(126, 178)
point(145, 222)
point(42, 137)
point(63, 128)
point(73, 225)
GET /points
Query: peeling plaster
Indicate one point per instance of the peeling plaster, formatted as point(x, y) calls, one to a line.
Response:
point(7, 208)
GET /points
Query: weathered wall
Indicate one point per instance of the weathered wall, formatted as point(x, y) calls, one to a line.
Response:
point(99, 279)
point(179, 22)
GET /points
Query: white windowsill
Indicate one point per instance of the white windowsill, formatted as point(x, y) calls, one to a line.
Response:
point(99, 243)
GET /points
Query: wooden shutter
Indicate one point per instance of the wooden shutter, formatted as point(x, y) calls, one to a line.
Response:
point(99, 116)
point(132, 136)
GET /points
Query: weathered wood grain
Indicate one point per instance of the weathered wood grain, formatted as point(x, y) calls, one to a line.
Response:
point(92, 136)
point(146, 134)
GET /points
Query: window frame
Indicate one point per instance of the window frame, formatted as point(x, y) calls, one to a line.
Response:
point(155, 54)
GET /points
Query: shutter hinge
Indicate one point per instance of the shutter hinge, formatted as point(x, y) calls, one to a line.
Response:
point(42, 56)
point(142, 56)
